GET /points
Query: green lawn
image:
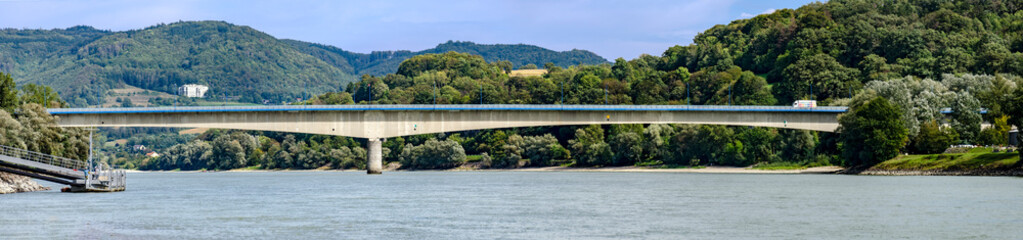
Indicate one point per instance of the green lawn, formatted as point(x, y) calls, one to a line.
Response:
point(976, 159)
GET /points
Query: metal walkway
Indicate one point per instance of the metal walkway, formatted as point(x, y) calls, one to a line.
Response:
point(75, 173)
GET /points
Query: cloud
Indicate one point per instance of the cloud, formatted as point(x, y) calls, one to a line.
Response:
point(748, 15)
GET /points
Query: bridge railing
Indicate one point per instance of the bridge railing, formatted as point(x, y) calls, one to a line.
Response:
point(42, 158)
point(413, 107)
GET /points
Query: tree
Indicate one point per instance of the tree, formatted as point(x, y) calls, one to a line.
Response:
point(933, 138)
point(541, 150)
point(750, 89)
point(871, 133)
point(589, 147)
point(485, 160)
point(127, 103)
point(627, 148)
point(917, 100)
point(512, 153)
point(657, 137)
point(227, 153)
point(997, 134)
point(432, 154)
point(505, 66)
point(828, 78)
point(966, 116)
point(8, 92)
point(1015, 110)
point(797, 145)
point(42, 95)
point(876, 68)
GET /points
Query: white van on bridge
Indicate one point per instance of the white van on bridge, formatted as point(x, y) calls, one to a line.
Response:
point(804, 104)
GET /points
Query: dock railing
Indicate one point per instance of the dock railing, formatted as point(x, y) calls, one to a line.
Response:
point(42, 158)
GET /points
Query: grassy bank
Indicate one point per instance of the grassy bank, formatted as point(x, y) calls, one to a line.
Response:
point(975, 160)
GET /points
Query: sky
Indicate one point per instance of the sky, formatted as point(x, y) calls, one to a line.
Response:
point(611, 28)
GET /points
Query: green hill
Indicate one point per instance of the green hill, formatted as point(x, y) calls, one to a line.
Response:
point(839, 45)
point(379, 63)
point(237, 62)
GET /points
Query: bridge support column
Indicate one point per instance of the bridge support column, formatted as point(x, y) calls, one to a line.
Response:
point(375, 160)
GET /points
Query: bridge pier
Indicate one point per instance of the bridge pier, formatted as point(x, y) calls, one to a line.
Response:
point(375, 158)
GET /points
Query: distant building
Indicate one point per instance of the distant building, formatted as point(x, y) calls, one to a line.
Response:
point(138, 148)
point(152, 154)
point(193, 90)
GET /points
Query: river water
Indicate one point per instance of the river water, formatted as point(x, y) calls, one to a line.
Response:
point(523, 205)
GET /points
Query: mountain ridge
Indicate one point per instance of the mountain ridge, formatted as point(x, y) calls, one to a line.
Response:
point(383, 62)
point(239, 62)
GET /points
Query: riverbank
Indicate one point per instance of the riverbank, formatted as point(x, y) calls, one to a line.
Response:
point(711, 169)
point(977, 163)
point(974, 163)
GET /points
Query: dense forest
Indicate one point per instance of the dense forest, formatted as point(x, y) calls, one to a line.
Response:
point(237, 62)
point(898, 64)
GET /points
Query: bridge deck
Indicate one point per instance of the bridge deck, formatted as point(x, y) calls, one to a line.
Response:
point(447, 107)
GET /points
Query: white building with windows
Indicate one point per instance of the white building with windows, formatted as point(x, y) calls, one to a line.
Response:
point(193, 90)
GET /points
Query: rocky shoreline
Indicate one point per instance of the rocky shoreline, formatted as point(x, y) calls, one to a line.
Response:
point(10, 183)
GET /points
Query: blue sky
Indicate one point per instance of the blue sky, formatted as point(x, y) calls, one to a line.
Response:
point(611, 29)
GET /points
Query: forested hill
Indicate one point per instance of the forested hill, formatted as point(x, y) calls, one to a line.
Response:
point(379, 63)
point(839, 45)
point(237, 62)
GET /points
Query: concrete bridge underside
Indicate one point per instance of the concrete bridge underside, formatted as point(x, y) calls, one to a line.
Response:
point(377, 124)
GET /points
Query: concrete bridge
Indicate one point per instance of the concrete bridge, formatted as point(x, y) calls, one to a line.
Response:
point(378, 122)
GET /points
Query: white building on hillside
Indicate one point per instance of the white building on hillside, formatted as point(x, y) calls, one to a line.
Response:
point(193, 90)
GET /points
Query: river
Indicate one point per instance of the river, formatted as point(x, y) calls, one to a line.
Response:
point(523, 205)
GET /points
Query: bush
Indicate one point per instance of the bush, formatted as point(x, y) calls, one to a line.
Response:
point(433, 154)
point(694, 162)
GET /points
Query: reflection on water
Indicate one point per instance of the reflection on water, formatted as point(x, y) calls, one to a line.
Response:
point(523, 205)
